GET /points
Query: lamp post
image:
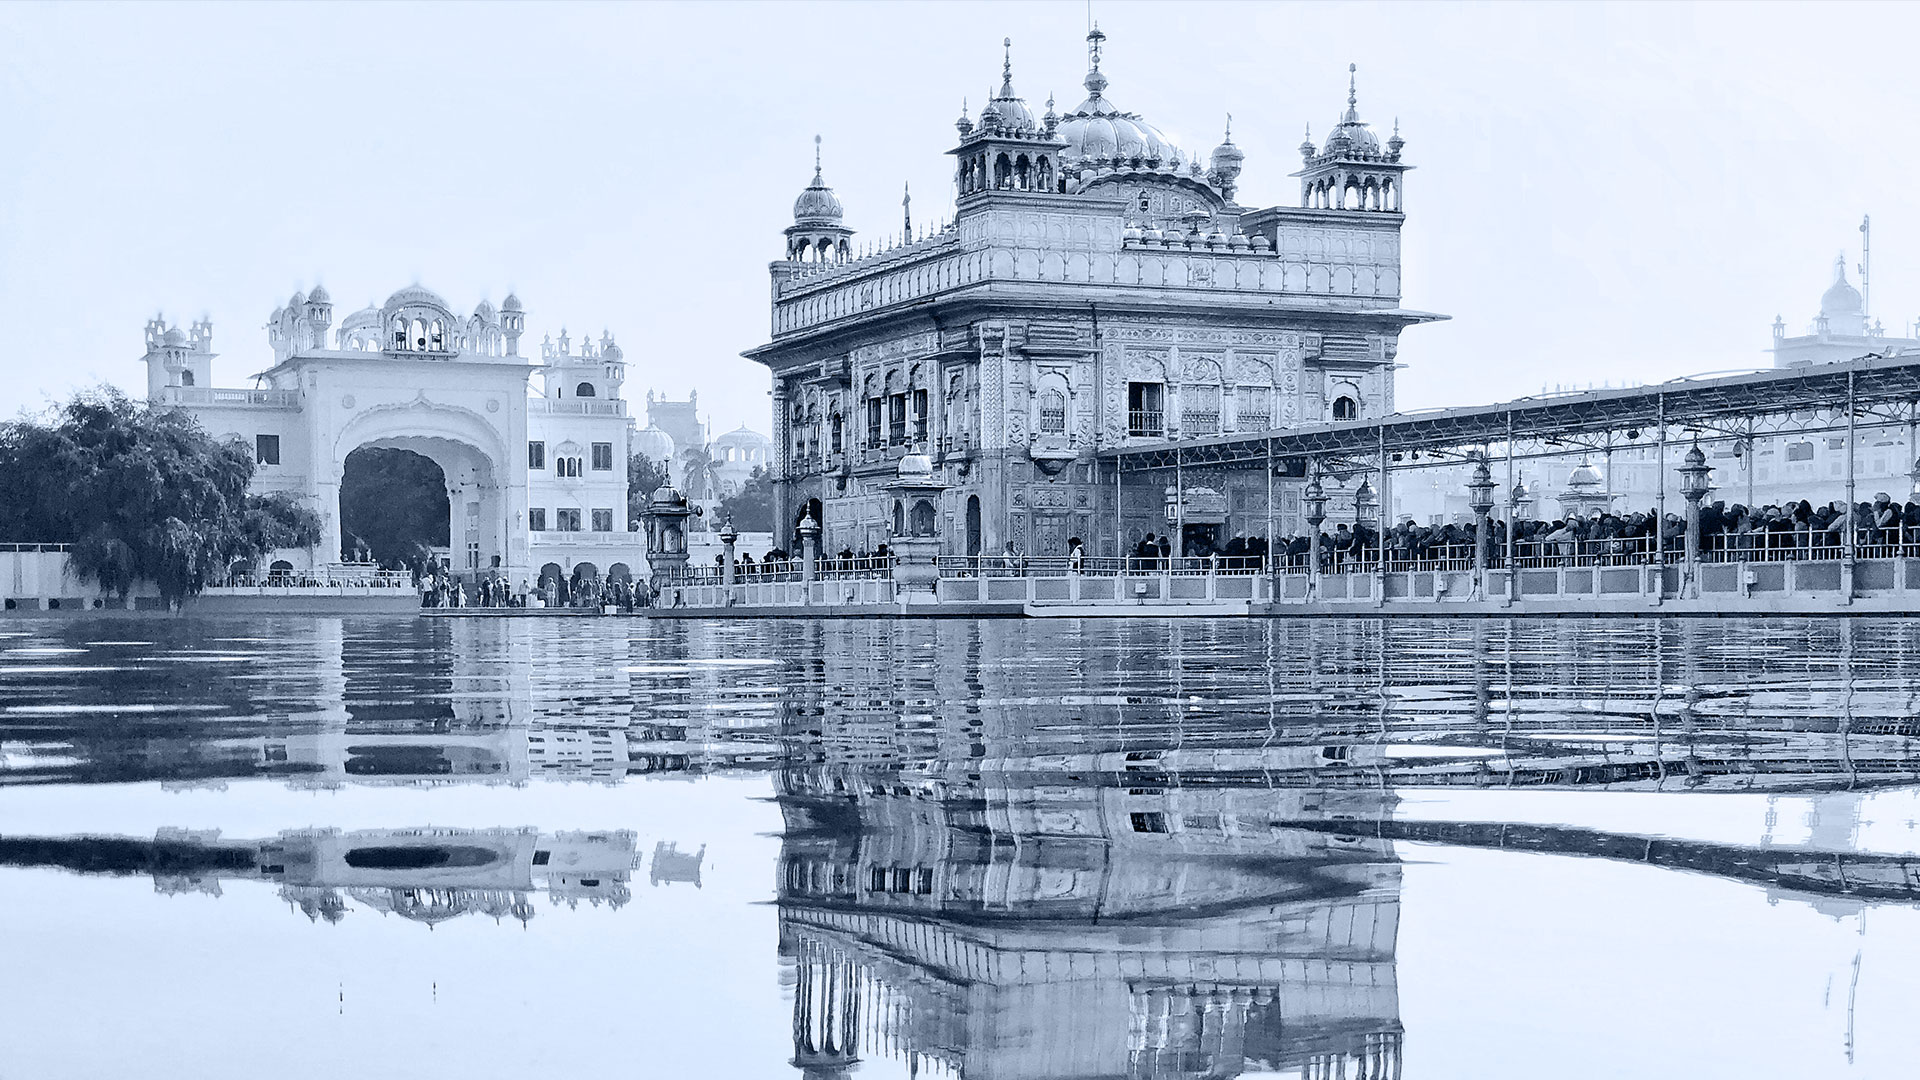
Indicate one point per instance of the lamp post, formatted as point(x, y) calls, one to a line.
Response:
point(1515, 500)
point(1695, 481)
point(1315, 500)
point(1363, 502)
point(728, 537)
point(809, 531)
point(1480, 499)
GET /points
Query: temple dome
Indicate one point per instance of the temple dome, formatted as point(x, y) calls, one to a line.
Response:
point(1097, 131)
point(654, 443)
point(174, 336)
point(817, 205)
point(415, 294)
point(1584, 475)
point(1841, 298)
point(319, 295)
point(1350, 136)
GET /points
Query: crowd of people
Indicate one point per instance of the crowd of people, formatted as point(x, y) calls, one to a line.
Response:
point(440, 588)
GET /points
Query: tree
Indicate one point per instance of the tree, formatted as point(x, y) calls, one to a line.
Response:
point(751, 508)
point(644, 476)
point(699, 473)
point(140, 493)
point(395, 501)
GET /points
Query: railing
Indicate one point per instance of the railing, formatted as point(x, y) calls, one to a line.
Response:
point(208, 395)
point(969, 566)
point(1197, 422)
point(576, 407)
point(33, 547)
point(1146, 422)
point(321, 578)
point(1612, 551)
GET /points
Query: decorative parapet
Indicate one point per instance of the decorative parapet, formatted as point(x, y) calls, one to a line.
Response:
point(207, 395)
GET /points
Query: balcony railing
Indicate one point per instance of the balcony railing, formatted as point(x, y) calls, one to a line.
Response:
point(1151, 422)
point(576, 407)
point(208, 395)
point(1197, 422)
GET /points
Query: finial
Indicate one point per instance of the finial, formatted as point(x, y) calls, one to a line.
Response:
point(1006, 69)
point(1352, 97)
point(1229, 127)
point(816, 157)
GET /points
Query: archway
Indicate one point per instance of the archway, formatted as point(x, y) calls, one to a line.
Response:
point(973, 524)
point(479, 510)
point(393, 508)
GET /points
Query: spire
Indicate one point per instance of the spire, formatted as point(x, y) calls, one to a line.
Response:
point(816, 161)
point(906, 210)
point(1095, 81)
point(1006, 69)
point(1229, 137)
point(1353, 97)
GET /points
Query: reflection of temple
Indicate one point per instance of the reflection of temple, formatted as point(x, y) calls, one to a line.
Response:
point(1064, 931)
point(425, 875)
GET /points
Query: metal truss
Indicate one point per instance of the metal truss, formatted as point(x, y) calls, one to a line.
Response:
point(1871, 392)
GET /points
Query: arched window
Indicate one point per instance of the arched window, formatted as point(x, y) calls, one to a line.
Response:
point(922, 522)
point(1345, 408)
point(899, 518)
point(419, 336)
point(585, 389)
point(1053, 413)
point(186, 378)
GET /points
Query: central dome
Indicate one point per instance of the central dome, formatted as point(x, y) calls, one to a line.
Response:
point(415, 294)
point(1099, 133)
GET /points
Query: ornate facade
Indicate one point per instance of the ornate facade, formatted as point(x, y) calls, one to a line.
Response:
point(536, 481)
point(1096, 287)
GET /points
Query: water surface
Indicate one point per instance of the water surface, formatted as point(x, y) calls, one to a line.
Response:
point(1034, 849)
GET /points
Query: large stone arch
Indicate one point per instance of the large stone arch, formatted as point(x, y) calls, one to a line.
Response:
point(470, 450)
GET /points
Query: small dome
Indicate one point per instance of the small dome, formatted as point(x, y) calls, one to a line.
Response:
point(511, 303)
point(484, 310)
point(1350, 136)
point(666, 498)
point(915, 466)
point(1841, 298)
point(653, 443)
point(299, 298)
point(174, 337)
point(319, 295)
point(415, 294)
point(1585, 475)
point(612, 352)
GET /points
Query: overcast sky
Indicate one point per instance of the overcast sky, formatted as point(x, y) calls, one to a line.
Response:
point(1603, 193)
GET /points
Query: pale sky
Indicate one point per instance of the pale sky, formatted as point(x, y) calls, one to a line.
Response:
point(1603, 193)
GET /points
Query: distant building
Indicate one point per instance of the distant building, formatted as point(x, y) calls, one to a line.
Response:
point(536, 484)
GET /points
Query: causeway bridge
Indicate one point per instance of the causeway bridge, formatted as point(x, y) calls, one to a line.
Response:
point(1854, 568)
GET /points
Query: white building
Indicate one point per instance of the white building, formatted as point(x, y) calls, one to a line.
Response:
point(536, 481)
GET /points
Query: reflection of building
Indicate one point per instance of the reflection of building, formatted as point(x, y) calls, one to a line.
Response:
point(530, 480)
point(1098, 286)
point(424, 875)
point(1058, 931)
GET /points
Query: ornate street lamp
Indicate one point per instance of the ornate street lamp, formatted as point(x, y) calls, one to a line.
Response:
point(1696, 479)
point(1516, 499)
point(1363, 503)
point(1480, 500)
point(728, 537)
point(1315, 500)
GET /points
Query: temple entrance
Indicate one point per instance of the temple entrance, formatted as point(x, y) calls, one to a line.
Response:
point(1201, 540)
point(394, 508)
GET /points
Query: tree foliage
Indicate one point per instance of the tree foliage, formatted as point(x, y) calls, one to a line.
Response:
point(644, 476)
point(751, 508)
point(395, 502)
point(140, 493)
